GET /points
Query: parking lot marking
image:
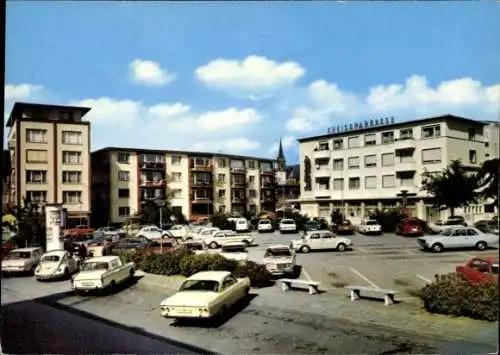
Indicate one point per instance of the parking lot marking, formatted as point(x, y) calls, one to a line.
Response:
point(424, 279)
point(306, 274)
point(364, 277)
point(362, 249)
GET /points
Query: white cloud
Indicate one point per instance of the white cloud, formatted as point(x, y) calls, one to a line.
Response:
point(287, 141)
point(254, 77)
point(234, 145)
point(230, 118)
point(21, 92)
point(326, 104)
point(148, 72)
point(169, 110)
point(107, 111)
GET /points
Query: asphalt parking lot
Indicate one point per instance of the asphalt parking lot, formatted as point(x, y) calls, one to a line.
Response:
point(385, 261)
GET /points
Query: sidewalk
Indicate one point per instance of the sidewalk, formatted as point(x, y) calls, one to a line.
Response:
point(407, 316)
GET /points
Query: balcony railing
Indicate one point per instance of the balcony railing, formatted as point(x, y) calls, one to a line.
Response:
point(266, 171)
point(238, 170)
point(268, 199)
point(206, 167)
point(152, 183)
point(237, 199)
point(152, 166)
point(238, 184)
point(201, 183)
point(266, 185)
point(201, 199)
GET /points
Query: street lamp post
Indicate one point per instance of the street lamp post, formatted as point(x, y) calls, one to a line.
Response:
point(161, 204)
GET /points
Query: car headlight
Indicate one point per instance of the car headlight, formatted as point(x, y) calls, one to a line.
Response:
point(37, 268)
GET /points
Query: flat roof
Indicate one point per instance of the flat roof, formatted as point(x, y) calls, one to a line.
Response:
point(19, 107)
point(180, 152)
point(392, 126)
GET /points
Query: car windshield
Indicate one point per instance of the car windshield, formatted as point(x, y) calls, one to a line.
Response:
point(200, 285)
point(371, 223)
point(50, 258)
point(287, 221)
point(18, 255)
point(282, 252)
point(89, 266)
point(494, 268)
point(264, 222)
point(233, 249)
point(195, 246)
point(346, 223)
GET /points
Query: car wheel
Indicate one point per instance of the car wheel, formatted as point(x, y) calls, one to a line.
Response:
point(341, 247)
point(437, 248)
point(481, 246)
point(305, 249)
point(213, 245)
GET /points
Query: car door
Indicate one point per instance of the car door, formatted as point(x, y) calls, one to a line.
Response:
point(472, 237)
point(315, 241)
point(229, 291)
point(460, 239)
point(328, 241)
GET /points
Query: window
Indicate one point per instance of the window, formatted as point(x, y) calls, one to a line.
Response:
point(36, 177)
point(353, 163)
point(71, 137)
point(371, 139)
point(36, 156)
point(175, 159)
point(388, 159)
point(222, 209)
point(432, 155)
point(323, 146)
point(353, 142)
point(176, 177)
point(152, 158)
point(315, 236)
point(370, 182)
point(36, 196)
point(338, 164)
point(338, 184)
point(388, 181)
point(201, 195)
point(472, 134)
point(252, 193)
point(405, 156)
point(486, 144)
point(123, 193)
point(322, 164)
point(72, 177)
point(123, 175)
point(472, 156)
point(387, 137)
point(36, 136)
point(251, 164)
point(176, 193)
point(124, 211)
point(405, 134)
point(370, 161)
point(338, 144)
point(237, 164)
point(222, 193)
point(123, 157)
point(222, 163)
point(70, 157)
point(354, 183)
point(221, 178)
point(406, 178)
point(251, 179)
point(323, 184)
point(431, 131)
point(72, 197)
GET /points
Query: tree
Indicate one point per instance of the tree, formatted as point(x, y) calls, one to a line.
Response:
point(221, 221)
point(337, 216)
point(30, 224)
point(307, 174)
point(452, 188)
point(487, 179)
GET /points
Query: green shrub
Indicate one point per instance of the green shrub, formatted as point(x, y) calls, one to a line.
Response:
point(257, 273)
point(452, 295)
point(388, 219)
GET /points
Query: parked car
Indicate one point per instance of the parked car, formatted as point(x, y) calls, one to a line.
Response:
point(287, 225)
point(164, 245)
point(370, 226)
point(133, 243)
point(344, 228)
point(206, 294)
point(487, 226)
point(109, 230)
point(441, 224)
point(22, 260)
point(312, 226)
point(321, 240)
point(81, 230)
point(179, 231)
point(100, 273)
point(456, 237)
point(100, 246)
point(279, 260)
point(241, 225)
point(236, 251)
point(479, 270)
point(56, 264)
point(152, 232)
point(410, 227)
point(205, 233)
point(225, 236)
point(265, 226)
point(195, 246)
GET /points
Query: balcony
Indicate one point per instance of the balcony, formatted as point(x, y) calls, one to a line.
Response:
point(322, 193)
point(201, 199)
point(238, 170)
point(403, 144)
point(144, 165)
point(267, 199)
point(321, 154)
point(201, 183)
point(266, 171)
point(153, 198)
point(152, 183)
point(206, 167)
point(238, 184)
point(237, 199)
point(267, 185)
point(410, 189)
point(323, 172)
point(405, 166)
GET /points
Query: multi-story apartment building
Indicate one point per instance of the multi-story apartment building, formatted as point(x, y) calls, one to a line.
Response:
point(368, 167)
point(492, 135)
point(194, 183)
point(5, 175)
point(49, 148)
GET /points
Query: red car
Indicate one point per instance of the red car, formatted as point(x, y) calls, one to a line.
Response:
point(479, 270)
point(410, 227)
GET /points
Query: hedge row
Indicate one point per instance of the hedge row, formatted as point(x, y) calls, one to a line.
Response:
point(452, 295)
point(184, 262)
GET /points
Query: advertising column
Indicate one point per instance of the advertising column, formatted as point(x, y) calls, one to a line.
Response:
point(53, 218)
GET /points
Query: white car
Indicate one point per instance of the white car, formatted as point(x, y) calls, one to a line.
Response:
point(179, 231)
point(242, 225)
point(56, 264)
point(458, 237)
point(287, 225)
point(265, 225)
point(21, 260)
point(441, 224)
point(205, 294)
point(370, 226)
point(225, 236)
point(234, 251)
point(205, 233)
point(321, 240)
point(102, 272)
point(279, 260)
point(153, 232)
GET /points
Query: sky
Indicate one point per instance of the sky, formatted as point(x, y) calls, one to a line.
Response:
point(235, 77)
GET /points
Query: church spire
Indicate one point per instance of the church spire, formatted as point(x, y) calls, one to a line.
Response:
point(281, 157)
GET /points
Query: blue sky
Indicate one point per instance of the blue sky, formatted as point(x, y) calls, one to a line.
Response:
point(235, 77)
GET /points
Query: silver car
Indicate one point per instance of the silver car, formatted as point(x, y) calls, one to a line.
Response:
point(457, 237)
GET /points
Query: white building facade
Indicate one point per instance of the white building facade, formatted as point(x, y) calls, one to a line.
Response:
point(364, 169)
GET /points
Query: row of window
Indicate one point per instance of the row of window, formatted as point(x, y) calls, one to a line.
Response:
point(370, 182)
point(42, 156)
point(40, 136)
point(124, 175)
point(40, 177)
point(69, 197)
